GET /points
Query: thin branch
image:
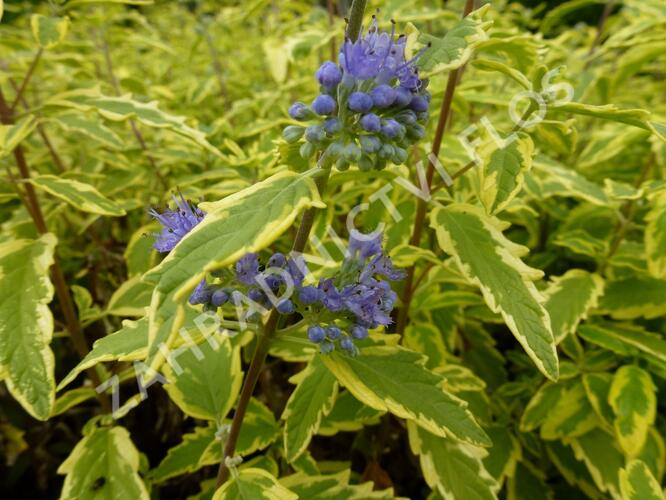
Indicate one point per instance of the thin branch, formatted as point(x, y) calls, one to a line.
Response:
point(419, 220)
point(26, 80)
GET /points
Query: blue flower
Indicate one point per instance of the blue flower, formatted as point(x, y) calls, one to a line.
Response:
point(247, 268)
point(201, 294)
point(363, 245)
point(329, 74)
point(176, 223)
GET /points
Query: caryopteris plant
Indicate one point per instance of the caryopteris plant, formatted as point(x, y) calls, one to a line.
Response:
point(339, 249)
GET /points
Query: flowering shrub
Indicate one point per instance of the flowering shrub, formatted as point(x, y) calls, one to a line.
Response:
point(268, 249)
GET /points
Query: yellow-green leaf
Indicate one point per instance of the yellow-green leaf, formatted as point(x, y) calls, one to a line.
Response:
point(26, 323)
point(503, 170)
point(127, 344)
point(634, 297)
point(89, 128)
point(312, 399)
point(655, 236)
point(634, 402)
point(454, 469)
point(638, 483)
point(78, 194)
point(251, 484)
point(569, 298)
point(571, 416)
point(491, 261)
point(49, 31)
point(204, 380)
point(131, 298)
point(626, 339)
point(417, 394)
point(602, 458)
point(12, 135)
point(540, 405)
point(103, 464)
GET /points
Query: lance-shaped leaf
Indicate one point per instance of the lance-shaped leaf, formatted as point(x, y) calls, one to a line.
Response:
point(78, 194)
point(625, 339)
point(597, 387)
point(26, 323)
point(250, 484)
point(12, 135)
point(127, 344)
point(550, 178)
point(603, 459)
point(416, 394)
point(244, 222)
point(638, 483)
point(504, 454)
point(502, 171)
point(569, 298)
point(573, 471)
point(205, 379)
point(655, 236)
point(634, 402)
point(103, 464)
point(90, 128)
point(635, 117)
point(454, 469)
point(491, 261)
point(124, 108)
point(571, 416)
point(49, 31)
point(540, 405)
point(131, 298)
point(312, 399)
point(456, 47)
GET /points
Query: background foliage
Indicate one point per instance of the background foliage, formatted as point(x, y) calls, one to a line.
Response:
point(541, 279)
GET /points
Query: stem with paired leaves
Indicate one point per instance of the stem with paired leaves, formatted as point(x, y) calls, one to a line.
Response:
point(57, 276)
point(268, 332)
point(419, 221)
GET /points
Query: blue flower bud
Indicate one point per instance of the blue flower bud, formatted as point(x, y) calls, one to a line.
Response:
point(390, 128)
point(299, 111)
point(333, 332)
point(332, 126)
point(403, 97)
point(370, 143)
point(201, 294)
point(347, 344)
point(360, 102)
point(316, 333)
point(219, 297)
point(352, 152)
point(277, 260)
point(329, 74)
point(359, 332)
point(416, 132)
point(386, 152)
point(256, 295)
point(292, 133)
point(371, 122)
point(273, 282)
point(382, 96)
point(399, 155)
point(406, 117)
point(309, 295)
point(327, 347)
point(315, 133)
point(419, 103)
point(341, 164)
point(323, 104)
point(306, 150)
point(365, 164)
point(285, 307)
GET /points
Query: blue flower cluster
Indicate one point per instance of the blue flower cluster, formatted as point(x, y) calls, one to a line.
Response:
point(372, 106)
point(359, 296)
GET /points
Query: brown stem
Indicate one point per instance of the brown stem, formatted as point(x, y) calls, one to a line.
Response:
point(600, 31)
point(42, 133)
point(419, 220)
point(135, 130)
point(57, 276)
point(26, 80)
